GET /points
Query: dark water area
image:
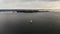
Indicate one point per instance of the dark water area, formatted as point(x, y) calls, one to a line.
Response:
point(20, 23)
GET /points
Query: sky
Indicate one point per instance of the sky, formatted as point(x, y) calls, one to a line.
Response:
point(29, 4)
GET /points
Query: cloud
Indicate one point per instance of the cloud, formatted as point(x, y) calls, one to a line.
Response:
point(11, 1)
point(19, 4)
point(39, 0)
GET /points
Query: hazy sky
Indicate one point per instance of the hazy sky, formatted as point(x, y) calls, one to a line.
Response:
point(22, 4)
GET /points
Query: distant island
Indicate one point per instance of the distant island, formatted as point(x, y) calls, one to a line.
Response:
point(24, 11)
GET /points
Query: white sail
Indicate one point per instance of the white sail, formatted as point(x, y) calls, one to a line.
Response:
point(31, 21)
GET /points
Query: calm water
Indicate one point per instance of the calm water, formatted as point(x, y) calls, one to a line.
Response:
point(19, 23)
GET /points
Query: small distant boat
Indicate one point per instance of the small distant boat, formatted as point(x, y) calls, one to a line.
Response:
point(30, 21)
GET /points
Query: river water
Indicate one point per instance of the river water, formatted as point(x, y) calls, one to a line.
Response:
point(30, 23)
